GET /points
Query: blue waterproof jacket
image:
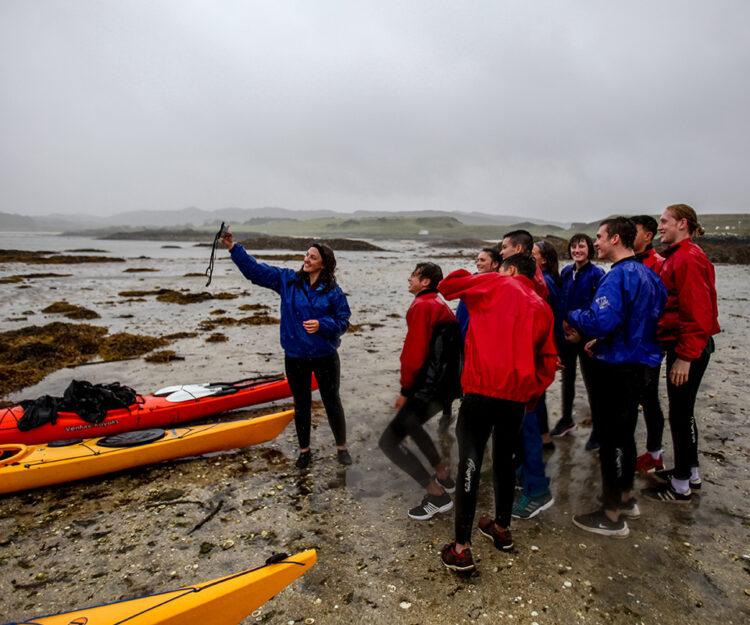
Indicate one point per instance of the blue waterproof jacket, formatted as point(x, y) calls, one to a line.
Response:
point(624, 315)
point(299, 303)
point(578, 287)
point(462, 316)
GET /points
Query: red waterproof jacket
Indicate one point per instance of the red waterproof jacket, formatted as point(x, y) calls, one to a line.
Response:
point(510, 346)
point(540, 284)
point(651, 258)
point(691, 315)
point(427, 310)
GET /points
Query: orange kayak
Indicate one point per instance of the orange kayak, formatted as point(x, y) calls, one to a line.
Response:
point(30, 466)
point(223, 601)
point(165, 408)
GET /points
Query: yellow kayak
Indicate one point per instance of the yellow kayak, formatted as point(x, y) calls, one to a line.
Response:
point(223, 601)
point(29, 466)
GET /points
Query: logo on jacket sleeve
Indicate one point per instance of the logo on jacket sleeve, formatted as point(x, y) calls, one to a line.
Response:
point(602, 302)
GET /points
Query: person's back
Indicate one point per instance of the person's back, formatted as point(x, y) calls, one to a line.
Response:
point(508, 348)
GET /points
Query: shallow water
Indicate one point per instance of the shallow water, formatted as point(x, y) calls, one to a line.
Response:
point(131, 533)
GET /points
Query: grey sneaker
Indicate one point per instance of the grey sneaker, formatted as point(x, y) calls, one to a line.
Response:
point(599, 523)
point(528, 507)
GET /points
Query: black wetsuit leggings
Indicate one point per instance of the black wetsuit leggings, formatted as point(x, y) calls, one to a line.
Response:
point(327, 370)
point(571, 353)
point(652, 412)
point(409, 421)
point(682, 413)
point(479, 418)
point(617, 389)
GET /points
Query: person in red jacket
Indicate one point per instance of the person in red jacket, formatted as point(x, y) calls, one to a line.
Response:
point(646, 227)
point(686, 329)
point(430, 370)
point(510, 359)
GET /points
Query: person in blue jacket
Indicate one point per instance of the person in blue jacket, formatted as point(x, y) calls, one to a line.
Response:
point(579, 283)
point(622, 319)
point(314, 315)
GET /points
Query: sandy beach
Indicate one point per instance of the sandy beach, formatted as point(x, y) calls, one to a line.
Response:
point(131, 533)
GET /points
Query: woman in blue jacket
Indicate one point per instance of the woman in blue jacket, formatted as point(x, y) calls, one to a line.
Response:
point(579, 283)
point(314, 315)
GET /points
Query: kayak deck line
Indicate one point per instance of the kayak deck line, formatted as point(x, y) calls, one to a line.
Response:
point(227, 599)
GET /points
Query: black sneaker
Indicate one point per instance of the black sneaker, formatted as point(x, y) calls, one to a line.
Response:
point(461, 562)
point(304, 459)
point(667, 494)
point(430, 506)
point(599, 523)
point(666, 475)
point(562, 428)
point(448, 485)
point(503, 540)
point(344, 457)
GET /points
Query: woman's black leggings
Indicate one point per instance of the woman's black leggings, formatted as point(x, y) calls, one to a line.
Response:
point(327, 370)
point(682, 414)
point(478, 418)
point(571, 353)
point(408, 422)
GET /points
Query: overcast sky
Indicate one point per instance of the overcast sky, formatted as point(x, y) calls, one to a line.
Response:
point(557, 110)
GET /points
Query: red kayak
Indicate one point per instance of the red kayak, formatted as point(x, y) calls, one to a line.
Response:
point(166, 407)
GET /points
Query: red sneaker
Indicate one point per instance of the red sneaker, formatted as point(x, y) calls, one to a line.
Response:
point(645, 463)
point(502, 538)
point(461, 562)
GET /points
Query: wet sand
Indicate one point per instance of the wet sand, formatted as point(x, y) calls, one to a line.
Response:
point(132, 533)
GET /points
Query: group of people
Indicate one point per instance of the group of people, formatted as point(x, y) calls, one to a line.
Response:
point(519, 320)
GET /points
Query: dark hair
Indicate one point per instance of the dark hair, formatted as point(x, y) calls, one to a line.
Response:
point(328, 272)
point(683, 211)
point(647, 222)
point(494, 254)
point(552, 264)
point(577, 238)
point(430, 271)
point(524, 263)
point(623, 227)
point(522, 238)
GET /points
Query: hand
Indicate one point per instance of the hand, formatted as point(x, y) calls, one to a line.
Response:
point(559, 365)
point(312, 326)
point(571, 334)
point(400, 401)
point(227, 240)
point(589, 348)
point(679, 372)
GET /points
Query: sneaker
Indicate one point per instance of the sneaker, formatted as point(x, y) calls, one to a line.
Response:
point(667, 474)
point(448, 485)
point(304, 459)
point(645, 463)
point(666, 493)
point(344, 457)
point(462, 562)
point(528, 507)
point(430, 506)
point(592, 444)
point(502, 538)
point(628, 509)
point(561, 429)
point(599, 523)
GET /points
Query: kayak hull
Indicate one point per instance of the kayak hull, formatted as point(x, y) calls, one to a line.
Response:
point(23, 467)
point(223, 601)
point(155, 411)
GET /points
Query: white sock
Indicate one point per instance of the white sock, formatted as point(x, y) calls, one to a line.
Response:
point(694, 476)
point(681, 486)
point(655, 454)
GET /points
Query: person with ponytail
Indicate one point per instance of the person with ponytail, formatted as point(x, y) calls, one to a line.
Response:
point(686, 329)
point(314, 315)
